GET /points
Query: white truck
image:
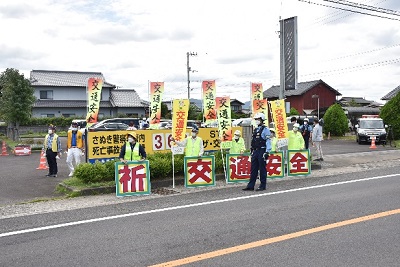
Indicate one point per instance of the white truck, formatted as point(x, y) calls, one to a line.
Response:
point(369, 126)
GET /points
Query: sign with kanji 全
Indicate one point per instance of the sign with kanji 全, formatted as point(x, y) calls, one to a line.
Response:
point(199, 171)
point(132, 178)
point(276, 165)
point(238, 168)
point(298, 162)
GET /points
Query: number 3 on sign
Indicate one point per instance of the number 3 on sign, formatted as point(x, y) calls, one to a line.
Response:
point(158, 141)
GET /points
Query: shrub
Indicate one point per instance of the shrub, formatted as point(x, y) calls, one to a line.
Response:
point(335, 121)
point(390, 113)
point(94, 173)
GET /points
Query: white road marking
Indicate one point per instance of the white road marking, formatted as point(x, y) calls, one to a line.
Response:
point(37, 229)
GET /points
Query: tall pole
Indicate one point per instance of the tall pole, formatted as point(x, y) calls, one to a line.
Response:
point(188, 54)
point(318, 108)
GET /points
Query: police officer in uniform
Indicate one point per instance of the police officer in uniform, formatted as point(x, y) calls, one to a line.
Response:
point(260, 149)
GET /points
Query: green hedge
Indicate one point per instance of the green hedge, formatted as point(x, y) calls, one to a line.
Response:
point(160, 165)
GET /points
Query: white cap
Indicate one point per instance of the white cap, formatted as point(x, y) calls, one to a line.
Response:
point(237, 132)
point(296, 125)
point(306, 119)
point(259, 116)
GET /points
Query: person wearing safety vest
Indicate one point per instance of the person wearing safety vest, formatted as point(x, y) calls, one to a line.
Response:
point(274, 140)
point(193, 144)
point(238, 146)
point(132, 150)
point(75, 147)
point(296, 141)
point(52, 147)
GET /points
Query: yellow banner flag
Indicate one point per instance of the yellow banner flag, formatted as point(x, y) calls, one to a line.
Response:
point(93, 102)
point(279, 117)
point(180, 110)
point(209, 91)
point(223, 105)
point(156, 92)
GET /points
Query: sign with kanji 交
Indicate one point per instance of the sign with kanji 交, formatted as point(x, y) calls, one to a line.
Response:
point(132, 178)
point(199, 171)
point(238, 168)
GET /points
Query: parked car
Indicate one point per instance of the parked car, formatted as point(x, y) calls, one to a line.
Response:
point(121, 120)
point(109, 126)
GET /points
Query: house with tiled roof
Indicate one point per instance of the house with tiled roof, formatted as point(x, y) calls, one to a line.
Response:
point(307, 97)
point(391, 94)
point(63, 93)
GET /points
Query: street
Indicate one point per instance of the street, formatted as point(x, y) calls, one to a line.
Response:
point(233, 227)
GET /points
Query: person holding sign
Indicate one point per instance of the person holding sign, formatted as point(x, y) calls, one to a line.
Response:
point(193, 144)
point(238, 146)
point(296, 141)
point(260, 149)
point(274, 140)
point(132, 150)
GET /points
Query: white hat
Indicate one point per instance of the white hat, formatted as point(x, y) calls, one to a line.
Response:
point(296, 125)
point(306, 119)
point(237, 132)
point(272, 130)
point(259, 116)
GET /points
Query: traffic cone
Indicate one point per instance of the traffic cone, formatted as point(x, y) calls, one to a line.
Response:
point(4, 149)
point(373, 143)
point(43, 162)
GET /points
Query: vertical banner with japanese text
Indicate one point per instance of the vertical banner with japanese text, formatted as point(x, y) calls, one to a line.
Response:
point(238, 168)
point(261, 106)
point(93, 101)
point(223, 106)
point(209, 91)
point(132, 178)
point(199, 171)
point(156, 93)
point(256, 94)
point(180, 110)
point(279, 117)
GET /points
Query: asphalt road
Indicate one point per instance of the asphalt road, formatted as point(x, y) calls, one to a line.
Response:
point(20, 181)
point(297, 222)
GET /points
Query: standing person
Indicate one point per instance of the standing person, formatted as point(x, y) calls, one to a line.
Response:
point(260, 149)
point(293, 120)
point(316, 140)
point(306, 131)
point(132, 150)
point(193, 144)
point(274, 140)
point(296, 141)
point(238, 146)
point(52, 147)
point(75, 147)
point(131, 127)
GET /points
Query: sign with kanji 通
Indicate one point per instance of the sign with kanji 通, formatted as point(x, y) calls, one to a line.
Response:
point(276, 165)
point(199, 171)
point(298, 162)
point(132, 178)
point(238, 168)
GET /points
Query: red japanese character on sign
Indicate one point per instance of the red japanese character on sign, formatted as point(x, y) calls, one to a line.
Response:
point(131, 175)
point(240, 167)
point(273, 165)
point(199, 169)
point(299, 163)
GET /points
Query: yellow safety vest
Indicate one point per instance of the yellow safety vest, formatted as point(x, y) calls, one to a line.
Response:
point(193, 148)
point(79, 142)
point(54, 146)
point(132, 154)
point(238, 146)
point(296, 141)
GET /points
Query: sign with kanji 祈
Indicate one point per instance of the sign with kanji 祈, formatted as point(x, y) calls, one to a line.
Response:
point(132, 178)
point(199, 171)
point(238, 168)
point(298, 162)
point(276, 165)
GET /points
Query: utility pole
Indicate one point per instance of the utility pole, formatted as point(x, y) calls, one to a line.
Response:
point(188, 54)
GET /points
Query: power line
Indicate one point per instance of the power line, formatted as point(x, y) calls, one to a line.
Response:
point(365, 7)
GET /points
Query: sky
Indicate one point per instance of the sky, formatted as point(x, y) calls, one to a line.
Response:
point(235, 43)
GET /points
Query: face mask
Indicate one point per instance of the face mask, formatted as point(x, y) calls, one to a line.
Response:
point(305, 122)
point(258, 122)
point(130, 139)
point(194, 134)
point(74, 129)
point(50, 131)
point(295, 129)
point(236, 137)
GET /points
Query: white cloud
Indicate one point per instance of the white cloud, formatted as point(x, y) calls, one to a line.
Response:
point(132, 42)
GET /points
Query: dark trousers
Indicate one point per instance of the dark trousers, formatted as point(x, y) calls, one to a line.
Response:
point(52, 161)
point(306, 141)
point(258, 164)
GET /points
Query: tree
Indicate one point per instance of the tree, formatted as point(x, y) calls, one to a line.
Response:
point(164, 111)
point(16, 100)
point(293, 111)
point(335, 121)
point(353, 103)
point(390, 114)
point(192, 114)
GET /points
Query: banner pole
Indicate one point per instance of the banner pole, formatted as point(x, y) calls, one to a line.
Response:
point(173, 170)
point(223, 162)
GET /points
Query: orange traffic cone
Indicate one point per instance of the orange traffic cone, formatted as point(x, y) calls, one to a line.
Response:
point(4, 149)
point(43, 162)
point(373, 143)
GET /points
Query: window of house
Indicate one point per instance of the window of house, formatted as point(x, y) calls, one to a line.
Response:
point(46, 94)
point(47, 115)
point(68, 115)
